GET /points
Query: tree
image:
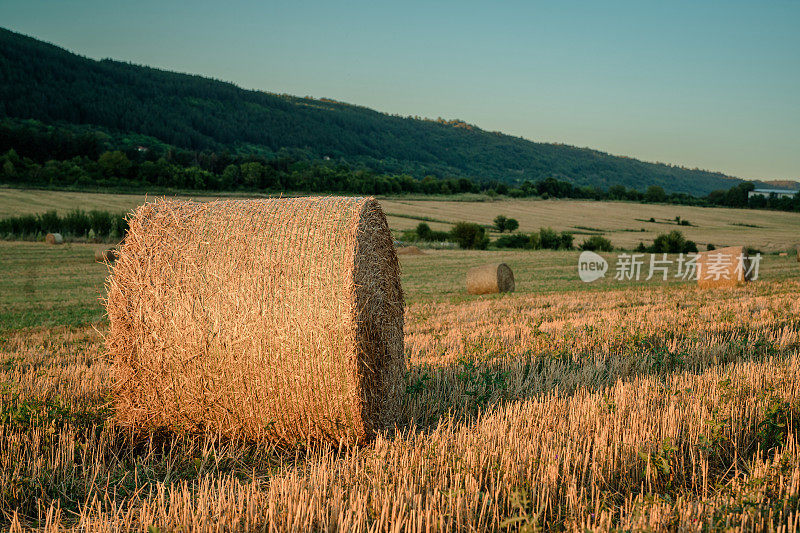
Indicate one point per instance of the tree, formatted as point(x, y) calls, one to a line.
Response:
point(655, 194)
point(500, 222)
point(469, 236)
point(597, 243)
point(114, 164)
point(672, 243)
point(253, 174)
point(423, 231)
point(512, 224)
point(617, 192)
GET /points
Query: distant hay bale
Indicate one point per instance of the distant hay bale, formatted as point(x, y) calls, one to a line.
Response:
point(409, 250)
point(491, 278)
point(54, 238)
point(105, 256)
point(724, 267)
point(277, 319)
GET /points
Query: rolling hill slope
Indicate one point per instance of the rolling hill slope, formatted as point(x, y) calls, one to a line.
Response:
point(47, 83)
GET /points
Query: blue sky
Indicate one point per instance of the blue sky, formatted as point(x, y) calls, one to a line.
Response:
point(705, 84)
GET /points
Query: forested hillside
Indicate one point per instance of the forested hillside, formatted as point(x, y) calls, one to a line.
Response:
point(43, 82)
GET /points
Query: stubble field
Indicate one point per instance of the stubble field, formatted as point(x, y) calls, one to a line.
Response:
point(625, 224)
point(563, 406)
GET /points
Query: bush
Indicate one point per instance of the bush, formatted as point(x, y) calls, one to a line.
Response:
point(597, 243)
point(515, 240)
point(100, 225)
point(552, 240)
point(565, 241)
point(536, 241)
point(670, 243)
point(469, 236)
point(409, 235)
point(423, 231)
point(548, 238)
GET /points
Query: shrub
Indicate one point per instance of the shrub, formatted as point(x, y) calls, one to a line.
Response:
point(565, 240)
point(552, 240)
point(597, 243)
point(515, 240)
point(100, 225)
point(409, 235)
point(548, 238)
point(423, 231)
point(671, 243)
point(469, 236)
point(536, 241)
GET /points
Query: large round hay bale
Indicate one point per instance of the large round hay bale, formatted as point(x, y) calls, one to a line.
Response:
point(278, 318)
point(491, 278)
point(54, 238)
point(105, 256)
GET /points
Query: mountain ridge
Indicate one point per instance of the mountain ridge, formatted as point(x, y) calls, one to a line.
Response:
point(45, 82)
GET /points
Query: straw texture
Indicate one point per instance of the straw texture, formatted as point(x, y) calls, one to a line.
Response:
point(491, 278)
point(725, 267)
point(277, 319)
point(53, 238)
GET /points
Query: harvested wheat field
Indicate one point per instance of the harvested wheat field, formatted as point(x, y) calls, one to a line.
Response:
point(625, 224)
point(655, 408)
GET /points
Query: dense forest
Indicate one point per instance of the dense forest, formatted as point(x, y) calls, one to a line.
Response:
point(216, 120)
point(85, 158)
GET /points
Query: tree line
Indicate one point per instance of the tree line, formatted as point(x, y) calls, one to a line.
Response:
point(73, 157)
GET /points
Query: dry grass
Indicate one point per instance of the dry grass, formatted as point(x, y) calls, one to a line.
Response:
point(620, 222)
point(275, 319)
point(644, 408)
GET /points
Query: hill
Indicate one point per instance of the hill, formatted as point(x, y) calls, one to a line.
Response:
point(47, 83)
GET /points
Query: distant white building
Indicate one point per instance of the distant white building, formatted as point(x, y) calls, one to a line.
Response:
point(779, 193)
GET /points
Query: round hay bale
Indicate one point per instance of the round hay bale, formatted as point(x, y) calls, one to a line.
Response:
point(105, 256)
point(491, 278)
point(54, 238)
point(409, 250)
point(723, 267)
point(277, 319)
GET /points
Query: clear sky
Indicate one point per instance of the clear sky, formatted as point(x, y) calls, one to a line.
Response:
point(708, 84)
